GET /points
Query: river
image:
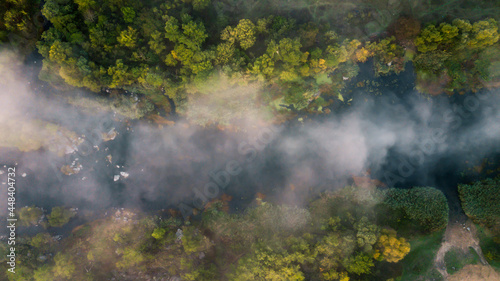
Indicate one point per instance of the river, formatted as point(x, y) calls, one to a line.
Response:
point(166, 170)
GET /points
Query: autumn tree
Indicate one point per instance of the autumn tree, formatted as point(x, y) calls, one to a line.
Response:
point(64, 266)
point(391, 248)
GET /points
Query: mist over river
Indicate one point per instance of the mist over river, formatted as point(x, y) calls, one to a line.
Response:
point(401, 137)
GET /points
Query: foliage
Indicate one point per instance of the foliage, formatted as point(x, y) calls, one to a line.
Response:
point(456, 259)
point(64, 267)
point(390, 248)
point(158, 233)
point(480, 202)
point(452, 48)
point(60, 216)
point(243, 33)
point(193, 241)
point(426, 206)
point(406, 28)
point(420, 260)
point(42, 241)
point(130, 258)
point(30, 215)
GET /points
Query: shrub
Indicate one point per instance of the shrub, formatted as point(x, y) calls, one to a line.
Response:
point(425, 205)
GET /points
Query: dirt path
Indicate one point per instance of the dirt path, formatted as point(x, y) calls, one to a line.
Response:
point(460, 235)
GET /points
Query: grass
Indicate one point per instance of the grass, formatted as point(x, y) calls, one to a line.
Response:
point(456, 259)
point(490, 245)
point(419, 263)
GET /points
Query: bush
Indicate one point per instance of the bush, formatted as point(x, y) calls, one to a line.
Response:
point(480, 202)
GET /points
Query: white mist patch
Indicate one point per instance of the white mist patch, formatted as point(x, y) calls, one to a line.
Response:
point(226, 102)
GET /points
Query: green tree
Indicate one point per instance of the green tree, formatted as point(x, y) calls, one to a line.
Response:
point(425, 205)
point(158, 233)
point(23, 273)
point(199, 5)
point(366, 233)
point(245, 33)
point(359, 264)
point(64, 266)
point(30, 215)
point(480, 202)
point(484, 34)
point(266, 264)
point(193, 241)
point(44, 273)
point(60, 216)
point(41, 241)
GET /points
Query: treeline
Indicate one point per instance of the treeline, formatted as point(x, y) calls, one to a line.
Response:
point(171, 48)
point(480, 201)
point(344, 235)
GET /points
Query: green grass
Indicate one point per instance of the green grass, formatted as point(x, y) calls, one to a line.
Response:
point(419, 263)
point(456, 259)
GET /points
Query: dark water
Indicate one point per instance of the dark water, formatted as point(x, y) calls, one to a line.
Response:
point(163, 178)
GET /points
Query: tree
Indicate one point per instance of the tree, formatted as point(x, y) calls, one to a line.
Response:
point(484, 34)
point(130, 258)
point(30, 215)
point(333, 249)
point(60, 216)
point(199, 5)
point(84, 5)
point(243, 33)
point(367, 233)
point(128, 14)
point(425, 205)
point(359, 264)
point(59, 52)
point(390, 248)
point(406, 29)
point(225, 53)
point(267, 264)
point(480, 202)
point(193, 241)
point(194, 35)
point(158, 233)
point(44, 273)
point(64, 266)
point(289, 51)
point(41, 241)
point(429, 39)
point(23, 273)
point(128, 37)
point(362, 55)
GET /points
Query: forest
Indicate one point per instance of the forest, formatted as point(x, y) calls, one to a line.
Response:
point(231, 66)
point(180, 50)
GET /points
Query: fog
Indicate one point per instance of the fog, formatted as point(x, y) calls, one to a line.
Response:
point(401, 139)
